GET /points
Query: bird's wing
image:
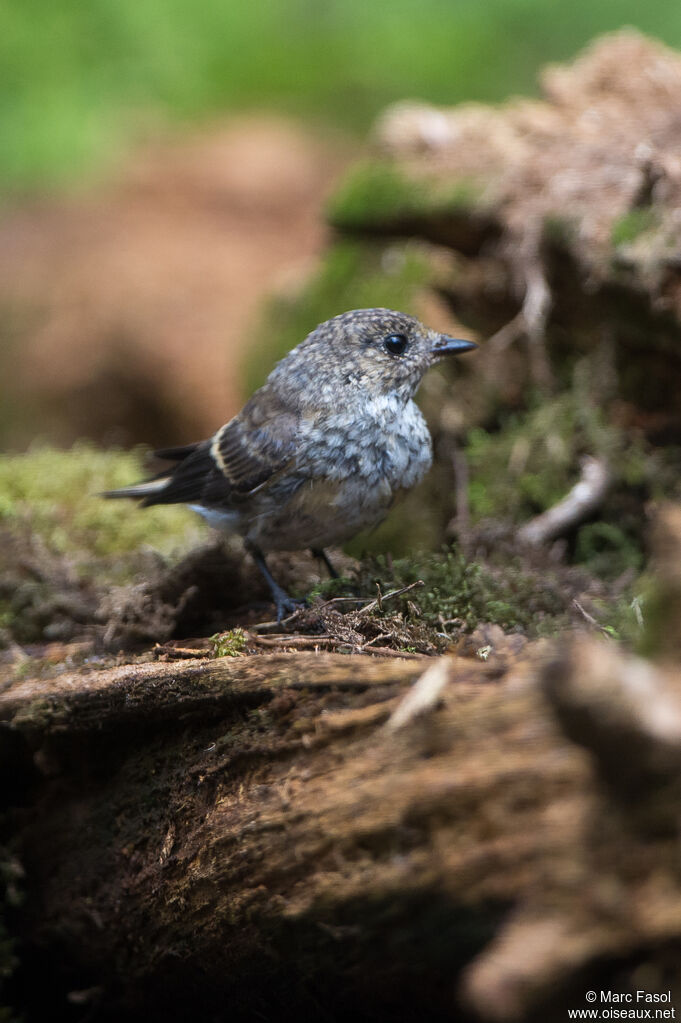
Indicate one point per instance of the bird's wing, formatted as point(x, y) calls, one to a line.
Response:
point(245, 455)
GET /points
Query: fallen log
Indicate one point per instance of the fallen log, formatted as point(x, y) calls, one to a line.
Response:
point(247, 838)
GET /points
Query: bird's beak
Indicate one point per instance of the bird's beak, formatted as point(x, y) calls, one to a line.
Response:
point(444, 345)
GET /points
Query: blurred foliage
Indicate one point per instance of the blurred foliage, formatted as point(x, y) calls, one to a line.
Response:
point(375, 193)
point(78, 79)
point(531, 460)
point(633, 224)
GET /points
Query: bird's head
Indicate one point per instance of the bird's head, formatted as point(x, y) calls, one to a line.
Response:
point(376, 350)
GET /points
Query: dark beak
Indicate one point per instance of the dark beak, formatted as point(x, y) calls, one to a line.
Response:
point(451, 346)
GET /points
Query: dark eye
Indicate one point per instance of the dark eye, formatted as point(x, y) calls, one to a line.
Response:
point(396, 344)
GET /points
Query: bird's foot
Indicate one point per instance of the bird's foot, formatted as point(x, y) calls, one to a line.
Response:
point(285, 604)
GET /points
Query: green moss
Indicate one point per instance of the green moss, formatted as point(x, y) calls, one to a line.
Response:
point(560, 230)
point(465, 593)
point(328, 588)
point(633, 224)
point(533, 460)
point(607, 549)
point(352, 276)
point(504, 589)
point(62, 545)
point(374, 191)
point(229, 644)
point(459, 594)
point(54, 496)
point(379, 193)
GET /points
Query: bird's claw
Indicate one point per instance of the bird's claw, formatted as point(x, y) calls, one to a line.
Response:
point(284, 604)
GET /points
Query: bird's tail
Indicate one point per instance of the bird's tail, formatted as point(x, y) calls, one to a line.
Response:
point(153, 491)
point(140, 491)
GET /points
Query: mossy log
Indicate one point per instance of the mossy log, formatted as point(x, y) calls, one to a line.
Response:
point(251, 838)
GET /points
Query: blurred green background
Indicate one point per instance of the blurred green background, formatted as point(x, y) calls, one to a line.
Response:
point(79, 80)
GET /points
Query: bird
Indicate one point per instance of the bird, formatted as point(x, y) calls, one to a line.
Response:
point(322, 450)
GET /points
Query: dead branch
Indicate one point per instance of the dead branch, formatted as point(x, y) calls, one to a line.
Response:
point(530, 321)
point(536, 309)
point(582, 501)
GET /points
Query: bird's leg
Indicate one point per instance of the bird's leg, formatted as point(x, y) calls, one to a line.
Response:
point(318, 552)
point(283, 603)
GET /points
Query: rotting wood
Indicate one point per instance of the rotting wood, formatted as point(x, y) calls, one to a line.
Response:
point(199, 686)
point(246, 833)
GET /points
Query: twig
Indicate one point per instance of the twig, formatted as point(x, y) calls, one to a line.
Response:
point(510, 332)
point(585, 614)
point(180, 651)
point(530, 321)
point(336, 642)
point(638, 613)
point(381, 635)
point(590, 618)
point(384, 651)
point(290, 639)
point(585, 497)
point(269, 626)
point(389, 596)
point(423, 695)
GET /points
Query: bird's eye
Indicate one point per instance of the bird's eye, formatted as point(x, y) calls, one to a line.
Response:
point(396, 344)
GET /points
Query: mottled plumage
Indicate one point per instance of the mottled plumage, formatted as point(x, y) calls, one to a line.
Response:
point(321, 451)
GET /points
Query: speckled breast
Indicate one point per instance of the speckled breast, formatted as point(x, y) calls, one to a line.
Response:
point(347, 479)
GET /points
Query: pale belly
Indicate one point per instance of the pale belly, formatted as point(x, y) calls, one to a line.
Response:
point(322, 513)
